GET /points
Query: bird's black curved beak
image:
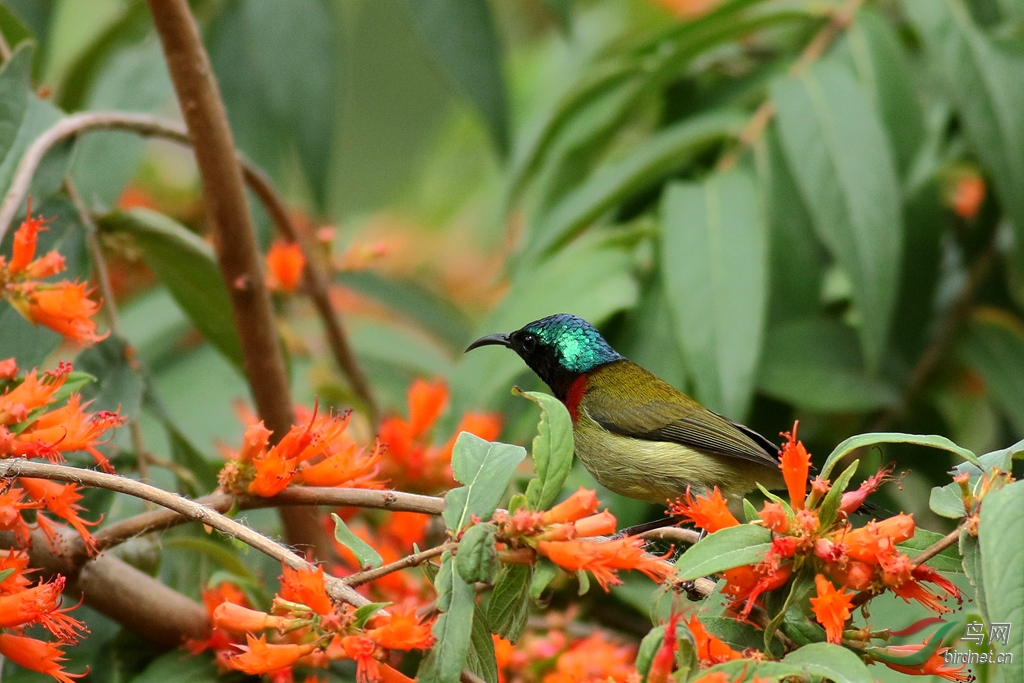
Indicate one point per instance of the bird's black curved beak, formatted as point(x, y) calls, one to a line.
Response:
point(498, 339)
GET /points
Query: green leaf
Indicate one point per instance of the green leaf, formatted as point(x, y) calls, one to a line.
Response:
point(363, 614)
point(714, 241)
point(946, 561)
point(433, 312)
point(649, 647)
point(14, 90)
point(854, 442)
point(5, 573)
point(1002, 547)
point(218, 551)
point(970, 551)
point(815, 364)
point(477, 559)
point(119, 384)
point(739, 635)
point(543, 574)
point(843, 166)
point(591, 278)
point(552, 449)
point(947, 500)
point(508, 606)
point(461, 36)
point(486, 469)
point(185, 265)
point(456, 600)
point(726, 548)
point(985, 81)
point(920, 656)
point(481, 659)
point(829, 508)
point(172, 666)
point(365, 554)
point(276, 67)
point(993, 344)
point(616, 181)
point(830, 661)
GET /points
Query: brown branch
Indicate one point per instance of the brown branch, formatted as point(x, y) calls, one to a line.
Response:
point(234, 238)
point(413, 560)
point(119, 532)
point(183, 506)
point(316, 278)
point(839, 21)
point(937, 547)
point(134, 599)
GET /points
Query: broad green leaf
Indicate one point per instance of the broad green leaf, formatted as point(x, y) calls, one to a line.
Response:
point(970, 551)
point(477, 559)
point(592, 278)
point(947, 500)
point(985, 81)
point(726, 548)
point(172, 666)
point(462, 37)
point(364, 613)
point(364, 552)
point(118, 384)
point(993, 344)
point(880, 64)
point(456, 600)
point(815, 364)
point(715, 254)
point(433, 312)
point(508, 606)
point(481, 659)
point(797, 258)
point(275, 64)
point(946, 561)
point(739, 635)
point(218, 551)
point(544, 573)
point(616, 181)
point(924, 653)
point(1002, 548)
point(841, 160)
point(860, 441)
point(649, 647)
point(831, 661)
point(185, 265)
point(485, 469)
point(829, 508)
point(14, 90)
point(552, 449)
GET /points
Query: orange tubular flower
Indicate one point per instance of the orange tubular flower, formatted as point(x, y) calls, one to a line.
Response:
point(11, 505)
point(601, 524)
point(306, 587)
point(581, 504)
point(38, 605)
point(594, 659)
point(363, 651)
point(710, 650)
point(831, 608)
point(70, 429)
point(665, 658)
point(708, 512)
point(403, 630)
point(66, 309)
point(25, 239)
point(872, 542)
point(8, 369)
point(602, 559)
point(795, 462)
point(933, 666)
point(259, 657)
point(62, 501)
point(774, 517)
point(237, 619)
point(285, 262)
point(36, 655)
point(273, 473)
point(348, 467)
point(33, 392)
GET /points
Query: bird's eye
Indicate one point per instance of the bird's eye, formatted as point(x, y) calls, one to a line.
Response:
point(529, 342)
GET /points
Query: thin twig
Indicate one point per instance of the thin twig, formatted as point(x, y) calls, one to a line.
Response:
point(813, 51)
point(937, 547)
point(413, 560)
point(119, 532)
point(188, 508)
point(317, 281)
point(92, 238)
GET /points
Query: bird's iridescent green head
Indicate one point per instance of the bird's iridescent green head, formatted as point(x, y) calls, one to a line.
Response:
point(558, 348)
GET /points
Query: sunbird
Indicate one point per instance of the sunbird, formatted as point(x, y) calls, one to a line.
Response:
point(636, 434)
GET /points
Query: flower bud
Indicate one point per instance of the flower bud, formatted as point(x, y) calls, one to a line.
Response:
point(578, 505)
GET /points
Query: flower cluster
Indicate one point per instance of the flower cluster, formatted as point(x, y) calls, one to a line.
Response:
point(30, 427)
point(305, 628)
point(565, 535)
point(64, 307)
point(22, 605)
point(813, 540)
point(316, 452)
point(413, 463)
point(554, 657)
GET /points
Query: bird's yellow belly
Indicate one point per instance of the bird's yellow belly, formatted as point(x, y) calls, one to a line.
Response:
point(658, 471)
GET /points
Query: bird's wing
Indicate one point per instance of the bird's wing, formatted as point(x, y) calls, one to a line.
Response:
point(685, 422)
